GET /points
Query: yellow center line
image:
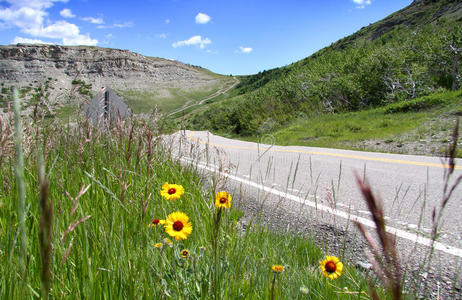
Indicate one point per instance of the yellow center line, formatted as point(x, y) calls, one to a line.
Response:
point(387, 160)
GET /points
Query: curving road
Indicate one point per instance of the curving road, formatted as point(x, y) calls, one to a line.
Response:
point(323, 180)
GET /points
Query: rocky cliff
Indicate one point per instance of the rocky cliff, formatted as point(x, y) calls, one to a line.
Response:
point(58, 66)
point(23, 64)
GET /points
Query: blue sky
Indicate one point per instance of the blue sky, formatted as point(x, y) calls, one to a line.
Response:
point(228, 37)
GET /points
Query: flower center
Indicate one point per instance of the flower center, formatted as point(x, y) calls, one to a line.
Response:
point(177, 226)
point(331, 267)
point(185, 253)
point(171, 191)
point(155, 221)
point(223, 200)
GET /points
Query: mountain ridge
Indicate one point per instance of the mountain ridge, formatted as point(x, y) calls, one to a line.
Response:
point(63, 68)
point(87, 62)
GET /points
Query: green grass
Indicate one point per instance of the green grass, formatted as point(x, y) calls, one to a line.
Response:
point(388, 123)
point(67, 113)
point(144, 102)
point(169, 99)
point(23, 91)
point(229, 96)
point(340, 130)
point(111, 254)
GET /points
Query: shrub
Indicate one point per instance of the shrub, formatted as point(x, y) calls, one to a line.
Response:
point(420, 103)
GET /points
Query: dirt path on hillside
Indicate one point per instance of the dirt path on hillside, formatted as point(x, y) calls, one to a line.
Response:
point(202, 101)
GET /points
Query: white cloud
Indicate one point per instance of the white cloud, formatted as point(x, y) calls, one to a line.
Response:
point(167, 21)
point(22, 17)
point(67, 32)
point(244, 50)
point(37, 4)
point(362, 3)
point(116, 25)
point(31, 17)
point(80, 40)
point(93, 20)
point(25, 13)
point(162, 36)
point(56, 30)
point(195, 40)
point(18, 40)
point(66, 13)
point(202, 18)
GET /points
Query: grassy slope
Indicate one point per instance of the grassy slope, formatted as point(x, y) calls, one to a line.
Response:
point(112, 254)
point(171, 99)
point(229, 95)
point(425, 129)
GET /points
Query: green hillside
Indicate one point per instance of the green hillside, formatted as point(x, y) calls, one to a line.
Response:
point(411, 53)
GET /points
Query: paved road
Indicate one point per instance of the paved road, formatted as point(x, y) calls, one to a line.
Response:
point(410, 186)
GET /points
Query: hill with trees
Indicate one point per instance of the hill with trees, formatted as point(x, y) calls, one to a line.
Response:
point(411, 53)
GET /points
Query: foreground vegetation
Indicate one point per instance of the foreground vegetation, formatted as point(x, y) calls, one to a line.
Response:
point(77, 222)
point(82, 214)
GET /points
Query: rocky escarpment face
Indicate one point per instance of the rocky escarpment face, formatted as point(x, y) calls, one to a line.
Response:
point(23, 64)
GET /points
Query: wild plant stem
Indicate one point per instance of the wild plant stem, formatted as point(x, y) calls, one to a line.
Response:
point(46, 228)
point(20, 183)
point(215, 253)
point(272, 286)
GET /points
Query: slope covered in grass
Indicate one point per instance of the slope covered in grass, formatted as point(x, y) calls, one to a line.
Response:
point(421, 126)
point(170, 99)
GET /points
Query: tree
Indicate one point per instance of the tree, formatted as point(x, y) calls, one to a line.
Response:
point(455, 46)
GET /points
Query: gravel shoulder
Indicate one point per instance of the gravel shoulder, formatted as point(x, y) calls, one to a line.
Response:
point(432, 138)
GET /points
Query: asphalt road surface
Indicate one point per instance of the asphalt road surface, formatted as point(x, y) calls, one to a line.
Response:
point(323, 180)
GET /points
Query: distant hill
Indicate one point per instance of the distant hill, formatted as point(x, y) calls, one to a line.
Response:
point(411, 53)
point(56, 70)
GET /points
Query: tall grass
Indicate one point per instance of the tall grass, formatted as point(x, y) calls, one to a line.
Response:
point(88, 234)
point(21, 189)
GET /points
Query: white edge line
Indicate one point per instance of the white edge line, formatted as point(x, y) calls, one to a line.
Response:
point(397, 232)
